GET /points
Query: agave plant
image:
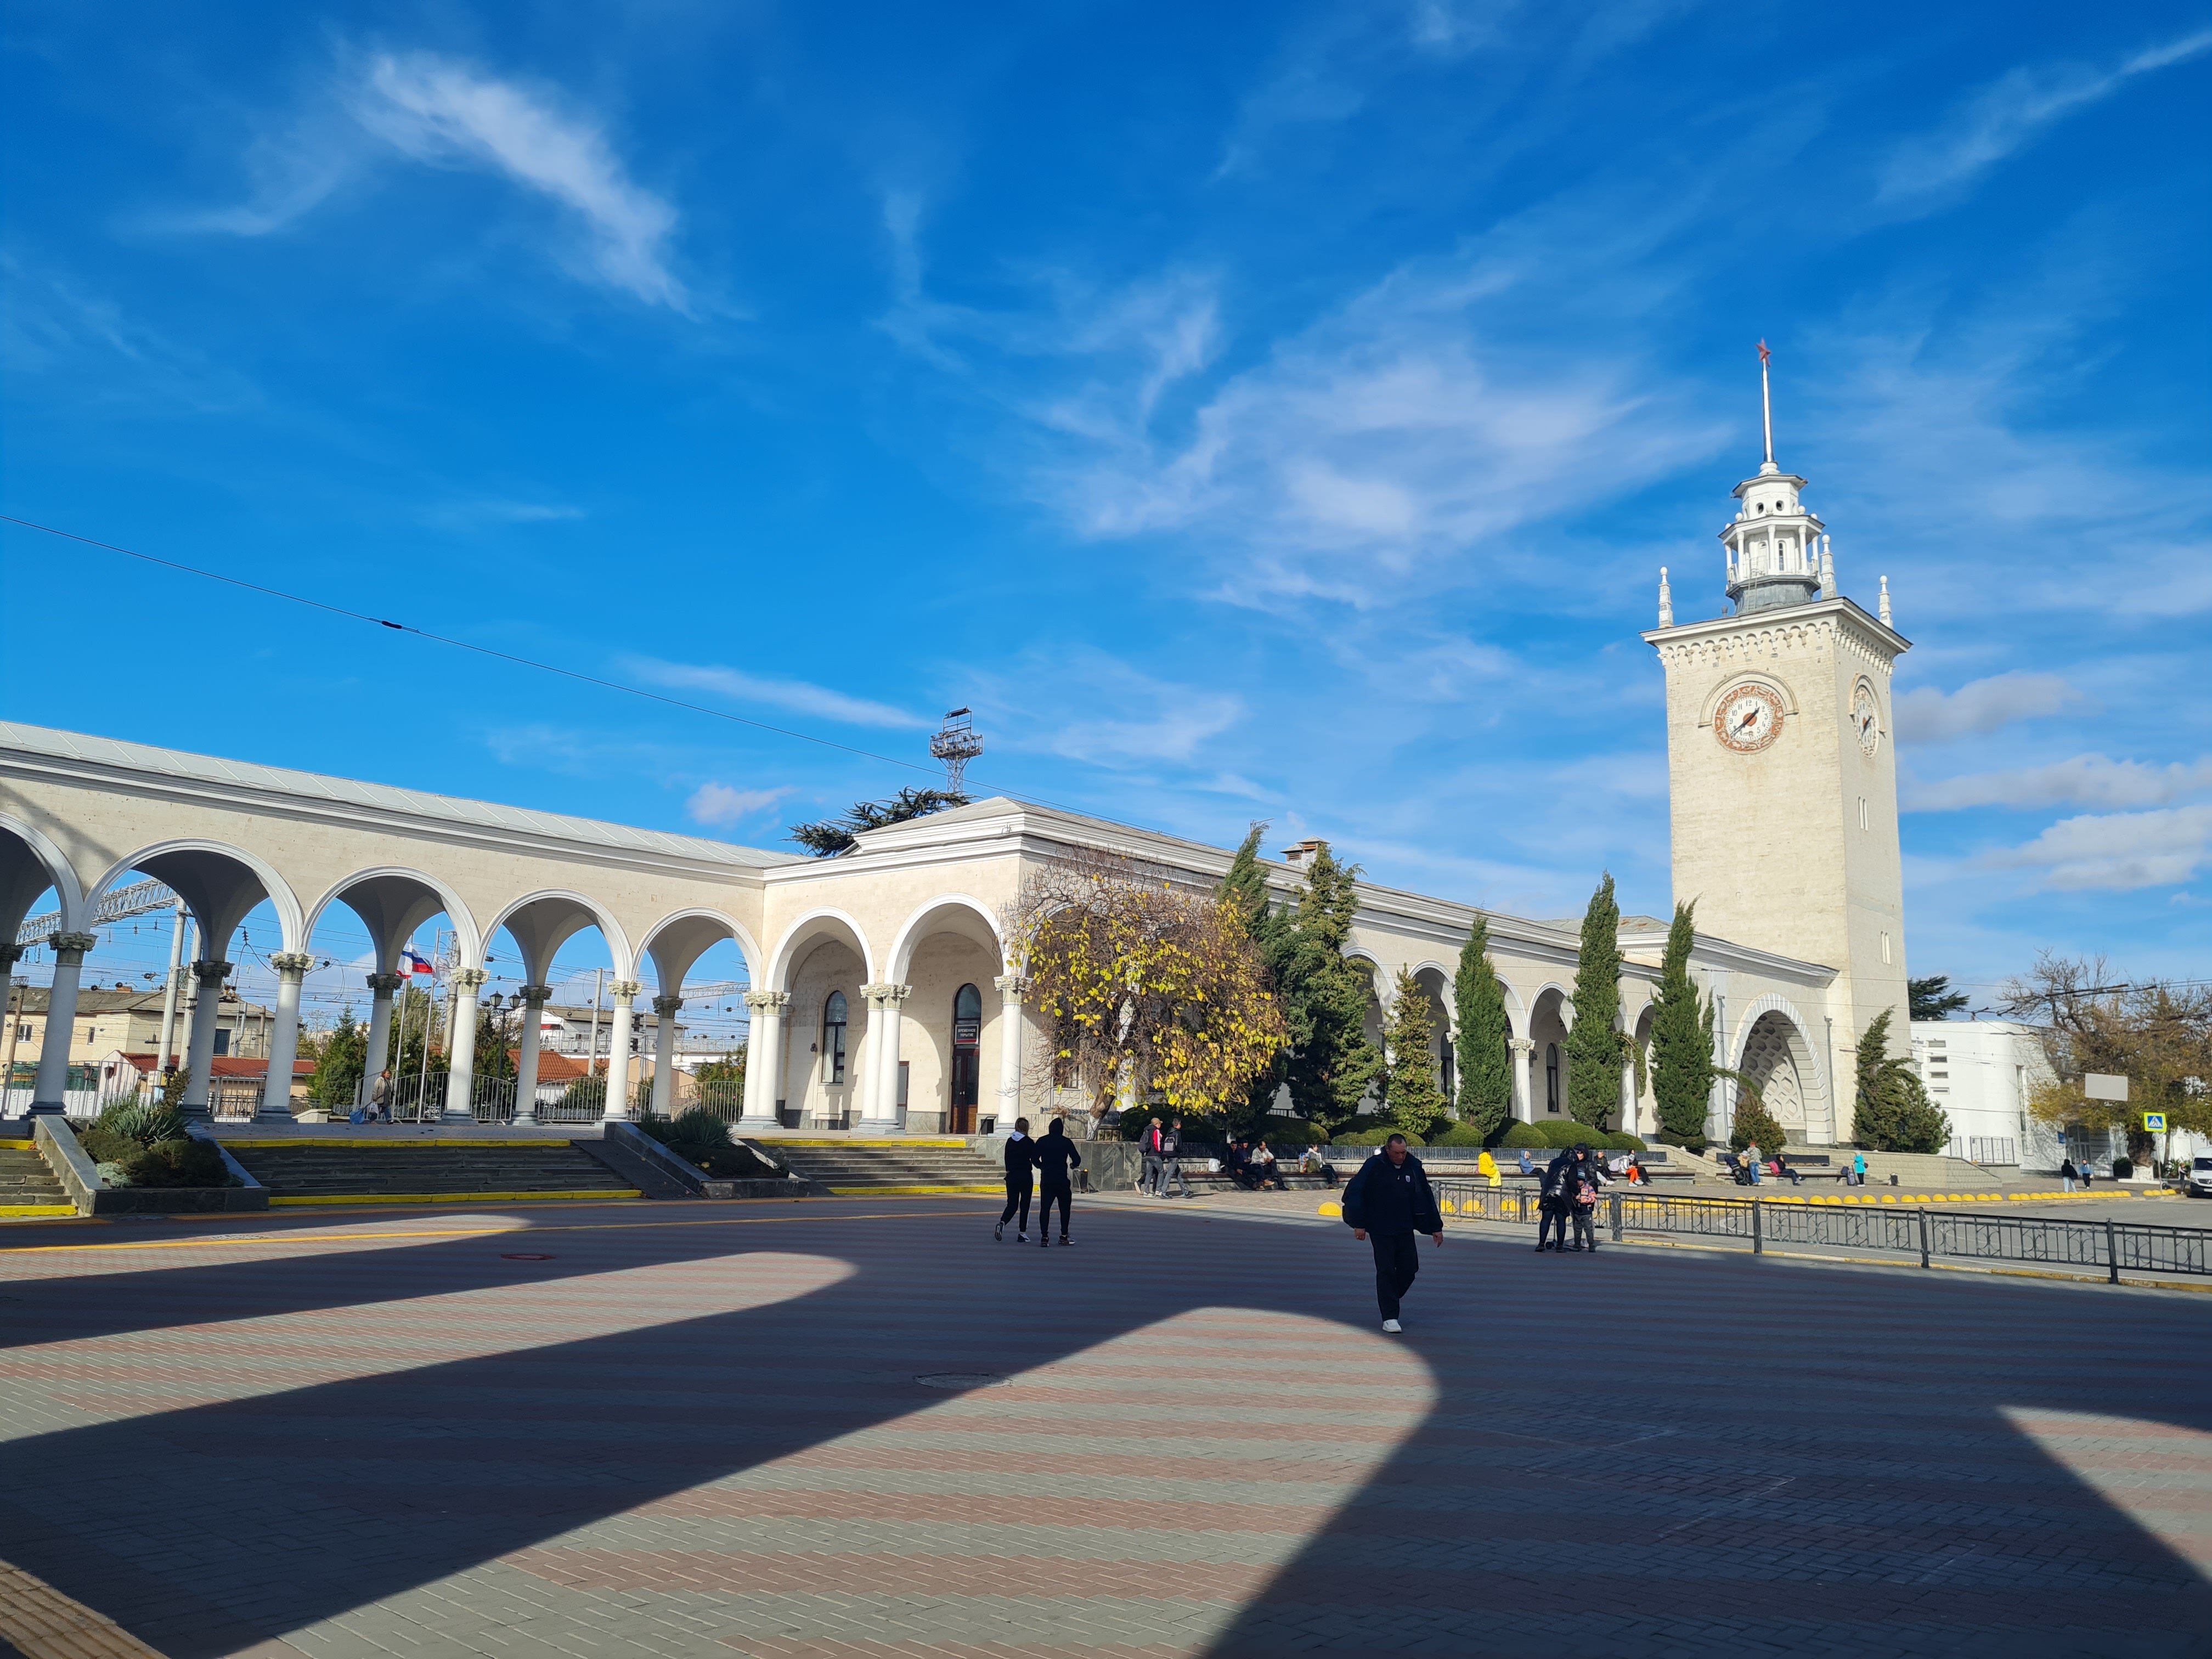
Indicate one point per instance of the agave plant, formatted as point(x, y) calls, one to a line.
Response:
point(148, 1122)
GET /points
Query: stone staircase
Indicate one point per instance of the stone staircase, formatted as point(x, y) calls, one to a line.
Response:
point(27, 1185)
point(298, 1172)
point(887, 1168)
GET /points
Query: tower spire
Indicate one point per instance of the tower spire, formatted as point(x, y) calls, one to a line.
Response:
point(1767, 408)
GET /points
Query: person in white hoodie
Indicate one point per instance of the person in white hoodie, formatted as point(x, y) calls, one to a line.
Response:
point(1021, 1169)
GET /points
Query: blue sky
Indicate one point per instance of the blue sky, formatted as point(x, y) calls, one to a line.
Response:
point(1269, 412)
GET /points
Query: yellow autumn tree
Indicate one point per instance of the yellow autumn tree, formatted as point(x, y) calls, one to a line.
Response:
point(1148, 992)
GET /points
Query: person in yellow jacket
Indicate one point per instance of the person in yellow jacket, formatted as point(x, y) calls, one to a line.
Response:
point(1488, 1166)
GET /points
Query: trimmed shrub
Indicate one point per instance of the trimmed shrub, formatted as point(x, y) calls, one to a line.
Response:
point(1622, 1141)
point(2122, 1167)
point(1519, 1134)
point(1458, 1135)
point(1375, 1137)
point(177, 1163)
point(1688, 1143)
point(1287, 1132)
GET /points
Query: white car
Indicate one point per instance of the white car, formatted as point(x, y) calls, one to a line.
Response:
point(2197, 1182)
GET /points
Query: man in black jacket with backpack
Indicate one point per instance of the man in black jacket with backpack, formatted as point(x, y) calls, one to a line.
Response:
point(1387, 1204)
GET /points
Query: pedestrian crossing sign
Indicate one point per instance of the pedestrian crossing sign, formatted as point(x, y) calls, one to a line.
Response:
point(2155, 1122)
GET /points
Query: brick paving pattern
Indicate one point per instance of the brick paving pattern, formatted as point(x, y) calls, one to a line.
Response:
point(697, 1430)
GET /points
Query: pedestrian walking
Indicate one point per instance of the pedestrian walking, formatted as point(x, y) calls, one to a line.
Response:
point(1148, 1177)
point(1055, 1155)
point(380, 1097)
point(1858, 1168)
point(1171, 1158)
point(1387, 1205)
point(1021, 1161)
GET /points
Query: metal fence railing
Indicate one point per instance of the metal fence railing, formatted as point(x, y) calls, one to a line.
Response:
point(2111, 1247)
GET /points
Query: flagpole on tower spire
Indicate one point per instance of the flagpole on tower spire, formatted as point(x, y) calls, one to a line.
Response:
point(1766, 402)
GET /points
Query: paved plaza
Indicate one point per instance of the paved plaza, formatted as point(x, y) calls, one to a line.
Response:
point(693, 1430)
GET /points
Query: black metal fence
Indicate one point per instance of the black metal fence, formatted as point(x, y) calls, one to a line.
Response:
point(2111, 1247)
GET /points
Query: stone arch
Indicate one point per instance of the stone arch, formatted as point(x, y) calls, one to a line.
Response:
point(400, 913)
point(551, 916)
point(803, 933)
point(26, 874)
point(206, 875)
point(1551, 1017)
point(919, 925)
point(1772, 1049)
point(677, 941)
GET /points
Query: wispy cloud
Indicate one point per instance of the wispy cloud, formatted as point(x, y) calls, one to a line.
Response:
point(475, 515)
point(1925, 715)
point(2082, 781)
point(797, 696)
point(1926, 172)
point(443, 113)
point(718, 804)
point(2117, 852)
point(1089, 705)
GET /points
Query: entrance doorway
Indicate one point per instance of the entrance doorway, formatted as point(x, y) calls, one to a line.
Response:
point(966, 1059)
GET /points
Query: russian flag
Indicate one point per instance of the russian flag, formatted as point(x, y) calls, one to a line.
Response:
point(413, 964)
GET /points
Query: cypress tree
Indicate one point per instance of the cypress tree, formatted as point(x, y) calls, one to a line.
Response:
point(1244, 890)
point(1325, 994)
point(1681, 1038)
point(1412, 1096)
point(1595, 1051)
point(1893, 1113)
point(1485, 1066)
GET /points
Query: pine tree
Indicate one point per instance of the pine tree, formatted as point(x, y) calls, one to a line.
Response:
point(1595, 1050)
point(1893, 1113)
point(1681, 1038)
point(1754, 1125)
point(1325, 994)
point(1412, 1098)
point(1486, 1065)
point(338, 1066)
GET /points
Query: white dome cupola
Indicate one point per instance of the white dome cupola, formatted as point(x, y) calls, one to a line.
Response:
point(1777, 550)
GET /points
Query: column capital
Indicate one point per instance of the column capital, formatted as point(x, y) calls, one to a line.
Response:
point(291, 964)
point(625, 990)
point(468, 979)
point(79, 942)
point(886, 995)
point(208, 972)
point(1012, 986)
point(768, 1002)
point(10, 955)
point(386, 983)
point(536, 996)
point(1521, 1045)
point(668, 1007)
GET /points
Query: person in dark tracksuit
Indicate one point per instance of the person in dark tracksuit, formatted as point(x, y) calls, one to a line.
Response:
point(1554, 1197)
point(1021, 1162)
point(1055, 1155)
point(1387, 1204)
point(1579, 1185)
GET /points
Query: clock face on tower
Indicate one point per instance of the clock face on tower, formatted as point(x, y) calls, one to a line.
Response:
point(1749, 717)
point(1865, 719)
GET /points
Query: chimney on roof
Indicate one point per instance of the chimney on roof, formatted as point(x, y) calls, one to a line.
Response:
point(1296, 856)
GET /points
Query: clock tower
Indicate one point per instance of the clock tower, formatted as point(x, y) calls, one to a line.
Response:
point(1781, 774)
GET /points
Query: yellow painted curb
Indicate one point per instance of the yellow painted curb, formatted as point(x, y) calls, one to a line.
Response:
point(38, 1209)
point(17, 1145)
point(41, 1623)
point(393, 1144)
point(297, 1200)
point(941, 1143)
point(906, 1192)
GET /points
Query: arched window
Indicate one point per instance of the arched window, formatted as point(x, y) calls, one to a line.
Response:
point(1551, 1077)
point(968, 1007)
point(966, 1059)
point(833, 1038)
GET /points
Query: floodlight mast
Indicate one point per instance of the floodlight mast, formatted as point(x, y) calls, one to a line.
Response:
point(956, 744)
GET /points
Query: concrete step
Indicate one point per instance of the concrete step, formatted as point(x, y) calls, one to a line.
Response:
point(855, 1165)
point(26, 1181)
point(325, 1170)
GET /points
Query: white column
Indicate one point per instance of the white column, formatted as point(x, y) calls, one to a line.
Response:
point(1628, 1096)
point(879, 1089)
point(617, 1107)
point(534, 998)
point(461, 989)
point(8, 953)
point(1524, 1086)
point(763, 1060)
point(61, 1020)
point(207, 1014)
point(376, 1056)
point(665, 1010)
point(1012, 988)
point(172, 990)
point(284, 1040)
